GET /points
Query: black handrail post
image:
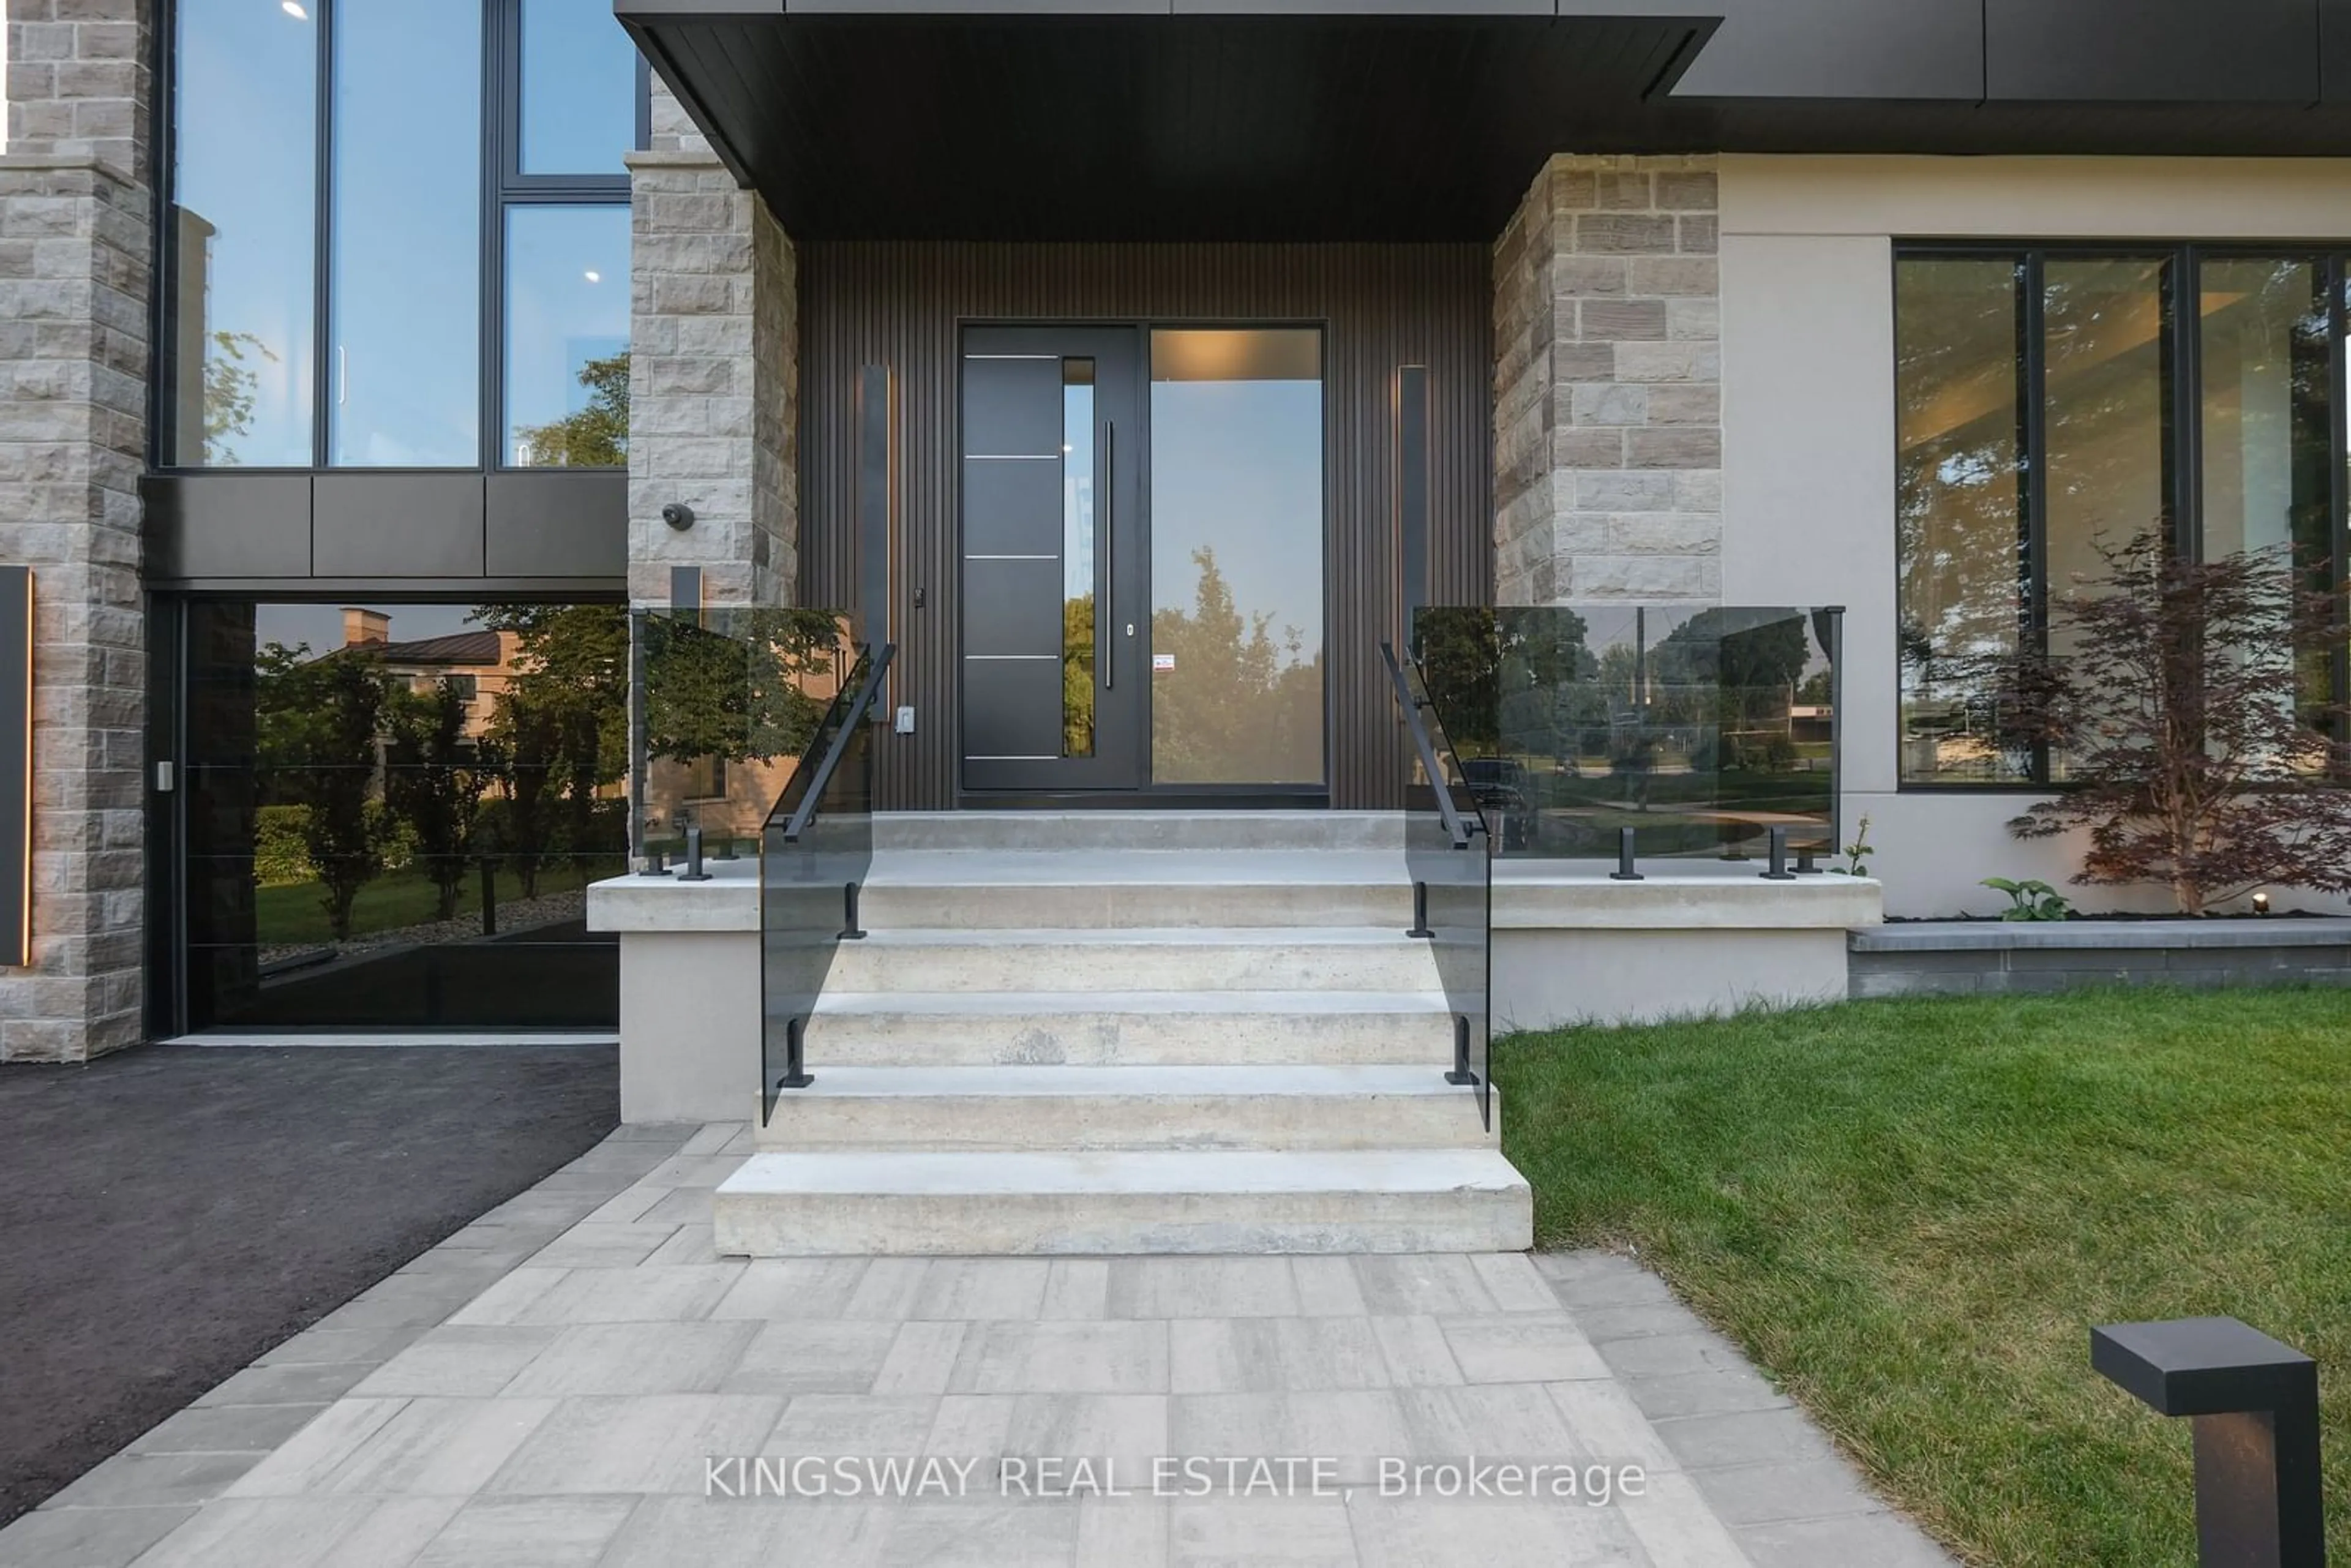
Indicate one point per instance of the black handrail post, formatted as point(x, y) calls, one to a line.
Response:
point(1779, 870)
point(1625, 872)
point(795, 1072)
point(2254, 1401)
point(849, 930)
point(694, 872)
point(1420, 911)
point(1460, 1073)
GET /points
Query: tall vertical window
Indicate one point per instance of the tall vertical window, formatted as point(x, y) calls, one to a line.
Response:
point(407, 253)
point(243, 242)
point(2054, 403)
point(1236, 557)
point(461, 162)
point(1960, 509)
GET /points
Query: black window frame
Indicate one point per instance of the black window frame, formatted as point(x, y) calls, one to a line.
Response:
point(502, 185)
point(2183, 423)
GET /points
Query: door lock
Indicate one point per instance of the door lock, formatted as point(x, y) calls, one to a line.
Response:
point(1130, 628)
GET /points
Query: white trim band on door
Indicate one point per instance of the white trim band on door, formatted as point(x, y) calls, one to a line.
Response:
point(1013, 558)
point(1012, 656)
point(1013, 457)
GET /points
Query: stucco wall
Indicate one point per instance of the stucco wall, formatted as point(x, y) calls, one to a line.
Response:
point(1808, 424)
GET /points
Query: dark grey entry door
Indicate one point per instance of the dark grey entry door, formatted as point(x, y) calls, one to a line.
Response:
point(1055, 582)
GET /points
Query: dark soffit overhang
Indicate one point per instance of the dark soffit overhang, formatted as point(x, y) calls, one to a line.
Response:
point(1420, 119)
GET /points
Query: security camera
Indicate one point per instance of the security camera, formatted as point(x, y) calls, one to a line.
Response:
point(678, 515)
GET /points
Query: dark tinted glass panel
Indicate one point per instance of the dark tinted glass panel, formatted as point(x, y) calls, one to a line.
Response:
point(406, 254)
point(244, 219)
point(1236, 557)
point(394, 812)
point(567, 324)
point(1077, 630)
point(1959, 512)
point(579, 88)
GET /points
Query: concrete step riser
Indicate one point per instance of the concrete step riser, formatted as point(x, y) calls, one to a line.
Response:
point(1044, 965)
point(1129, 1040)
point(1090, 908)
point(1031, 830)
point(1090, 1122)
point(772, 1225)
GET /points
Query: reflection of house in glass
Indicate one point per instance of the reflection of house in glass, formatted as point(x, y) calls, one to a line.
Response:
point(479, 665)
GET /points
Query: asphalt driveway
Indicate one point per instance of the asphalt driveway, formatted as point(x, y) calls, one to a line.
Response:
point(168, 1214)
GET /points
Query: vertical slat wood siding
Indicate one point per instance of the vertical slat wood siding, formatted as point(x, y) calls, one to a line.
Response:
point(1380, 307)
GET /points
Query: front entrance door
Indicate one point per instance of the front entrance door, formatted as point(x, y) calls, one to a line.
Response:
point(1055, 575)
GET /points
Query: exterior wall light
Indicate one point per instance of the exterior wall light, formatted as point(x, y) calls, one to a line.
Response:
point(678, 515)
point(2260, 904)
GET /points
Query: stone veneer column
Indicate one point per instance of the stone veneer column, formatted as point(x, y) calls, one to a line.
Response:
point(1608, 385)
point(75, 273)
point(714, 376)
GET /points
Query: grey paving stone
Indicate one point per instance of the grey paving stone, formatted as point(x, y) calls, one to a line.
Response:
point(297, 1383)
point(458, 1359)
point(593, 1244)
point(728, 1532)
point(224, 1429)
point(1703, 1393)
point(1764, 1494)
point(352, 1347)
point(155, 1481)
point(1878, 1540)
point(986, 1534)
point(1521, 1348)
point(634, 1359)
point(528, 1532)
point(1201, 1288)
point(634, 1446)
point(1617, 1283)
point(1743, 1438)
point(826, 1357)
point(1672, 1354)
point(1062, 1357)
point(1644, 1320)
point(87, 1537)
point(1239, 1355)
point(1410, 1283)
point(305, 1532)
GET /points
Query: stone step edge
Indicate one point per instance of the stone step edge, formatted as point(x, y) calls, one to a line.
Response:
point(977, 1177)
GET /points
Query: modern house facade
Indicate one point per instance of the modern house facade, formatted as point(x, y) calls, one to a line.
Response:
point(1135, 368)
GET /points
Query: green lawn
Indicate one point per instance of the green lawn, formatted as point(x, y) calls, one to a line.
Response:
point(1912, 1212)
point(295, 912)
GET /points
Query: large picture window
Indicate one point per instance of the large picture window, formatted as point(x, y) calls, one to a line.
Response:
point(2050, 400)
point(397, 234)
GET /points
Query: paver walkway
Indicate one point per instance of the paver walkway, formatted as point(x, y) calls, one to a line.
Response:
point(574, 1379)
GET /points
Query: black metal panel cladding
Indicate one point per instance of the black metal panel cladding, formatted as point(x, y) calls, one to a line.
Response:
point(2180, 51)
point(1380, 307)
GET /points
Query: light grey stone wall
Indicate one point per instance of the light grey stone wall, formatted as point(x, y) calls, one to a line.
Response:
point(1608, 384)
point(714, 376)
point(75, 279)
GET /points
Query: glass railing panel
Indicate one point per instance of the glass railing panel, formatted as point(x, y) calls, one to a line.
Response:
point(727, 702)
point(1449, 853)
point(1700, 728)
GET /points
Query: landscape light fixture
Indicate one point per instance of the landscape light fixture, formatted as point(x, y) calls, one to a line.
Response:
point(2260, 904)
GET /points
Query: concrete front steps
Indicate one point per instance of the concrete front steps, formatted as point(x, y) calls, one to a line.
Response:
point(1110, 1032)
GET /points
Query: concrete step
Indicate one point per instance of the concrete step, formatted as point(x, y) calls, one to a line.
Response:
point(1123, 829)
point(1075, 1108)
point(1089, 889)
point(1230, 1028)
point(1182, 958)
point(1132, 1201)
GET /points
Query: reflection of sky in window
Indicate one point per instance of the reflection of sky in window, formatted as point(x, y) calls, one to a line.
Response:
point(407, 253)
point(246, 166)
point(567, 303)
point(579, 88)
point(1238, 466)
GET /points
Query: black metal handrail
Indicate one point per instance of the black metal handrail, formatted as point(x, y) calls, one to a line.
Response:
point(842, 729)
point(1461, 828)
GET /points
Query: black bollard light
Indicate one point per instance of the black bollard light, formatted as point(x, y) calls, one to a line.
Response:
point(2254, 1403)
point(1625, 872)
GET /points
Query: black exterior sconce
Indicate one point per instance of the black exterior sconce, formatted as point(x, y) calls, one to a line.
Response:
point(2254, 1401)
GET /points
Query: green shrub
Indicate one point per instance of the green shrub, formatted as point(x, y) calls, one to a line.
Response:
point(280, 858)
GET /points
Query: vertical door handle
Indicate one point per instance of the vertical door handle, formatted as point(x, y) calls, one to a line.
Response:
point(1105, 657)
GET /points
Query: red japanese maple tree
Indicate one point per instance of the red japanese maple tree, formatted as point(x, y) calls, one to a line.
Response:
point(2196, 710)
